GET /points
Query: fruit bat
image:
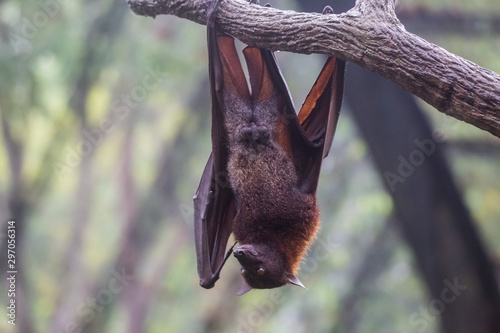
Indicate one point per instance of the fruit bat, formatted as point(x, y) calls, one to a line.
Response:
point(260, 181)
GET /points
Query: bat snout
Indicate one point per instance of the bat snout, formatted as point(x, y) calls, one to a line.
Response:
point(255, 134)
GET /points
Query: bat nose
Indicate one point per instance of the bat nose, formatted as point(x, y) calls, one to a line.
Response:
point(239, 253)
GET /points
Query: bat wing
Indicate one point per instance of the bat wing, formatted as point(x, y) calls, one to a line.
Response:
point(306, 138)
point(214, 202)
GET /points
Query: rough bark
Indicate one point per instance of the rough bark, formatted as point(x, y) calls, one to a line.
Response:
point(73, 287)
point(369, 35)
point(141, 229)
point(17, 208)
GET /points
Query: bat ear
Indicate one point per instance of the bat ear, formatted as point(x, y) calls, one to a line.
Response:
point(244, 288)
point(295, 281)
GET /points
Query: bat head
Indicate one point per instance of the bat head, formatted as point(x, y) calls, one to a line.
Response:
point(263, 268)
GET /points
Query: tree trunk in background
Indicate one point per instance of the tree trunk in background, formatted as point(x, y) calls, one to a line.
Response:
point(17, 204)
point(433, 218)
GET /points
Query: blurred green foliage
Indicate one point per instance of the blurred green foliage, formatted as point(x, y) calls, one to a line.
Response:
point(51, 49)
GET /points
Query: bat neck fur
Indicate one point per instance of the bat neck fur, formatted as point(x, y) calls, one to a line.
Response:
point(289, 234)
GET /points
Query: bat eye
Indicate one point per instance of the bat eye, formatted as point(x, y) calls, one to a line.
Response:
point(261, 271)
point(243, 272)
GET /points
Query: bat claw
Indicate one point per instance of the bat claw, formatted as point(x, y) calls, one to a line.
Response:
point(255, 134)
point(327, 10)
point(284, 150)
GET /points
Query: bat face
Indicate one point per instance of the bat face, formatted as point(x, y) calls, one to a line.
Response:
point(272, 157)
point(263, 268)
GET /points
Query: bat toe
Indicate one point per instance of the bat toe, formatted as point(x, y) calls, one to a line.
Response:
point(207, 283)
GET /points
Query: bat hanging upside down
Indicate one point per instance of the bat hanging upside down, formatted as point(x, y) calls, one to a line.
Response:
point(261, 178)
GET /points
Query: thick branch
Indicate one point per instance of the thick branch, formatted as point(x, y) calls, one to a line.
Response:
point(369, 35)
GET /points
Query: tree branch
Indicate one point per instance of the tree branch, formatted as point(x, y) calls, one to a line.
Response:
point(370, 35)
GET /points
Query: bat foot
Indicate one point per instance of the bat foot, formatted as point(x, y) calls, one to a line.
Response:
point(327, 10)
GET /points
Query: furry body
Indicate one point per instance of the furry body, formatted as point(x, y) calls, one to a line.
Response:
point(272, 158)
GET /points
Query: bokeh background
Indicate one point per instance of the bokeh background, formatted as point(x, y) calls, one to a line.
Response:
point(105, 123)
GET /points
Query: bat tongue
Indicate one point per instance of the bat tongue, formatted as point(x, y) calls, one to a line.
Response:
point(244, 288)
